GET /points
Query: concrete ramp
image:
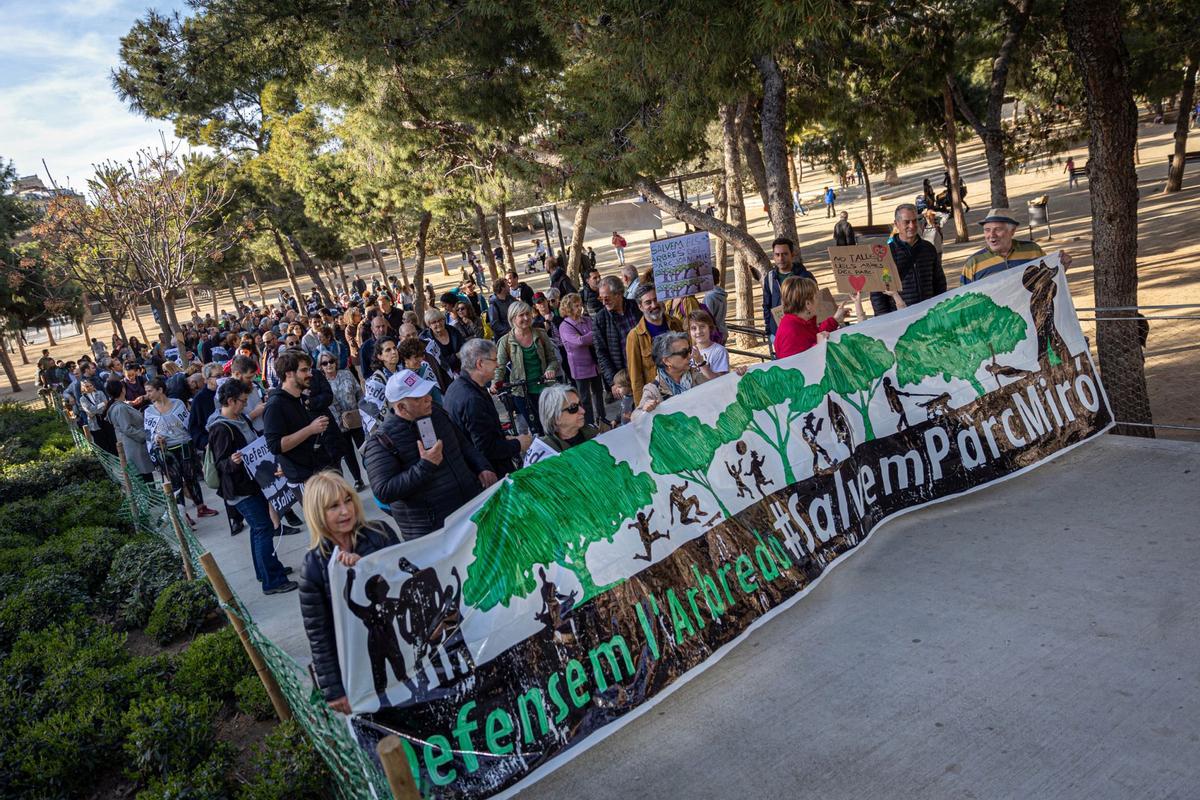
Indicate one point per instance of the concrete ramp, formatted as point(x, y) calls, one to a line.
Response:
point(1038, 639)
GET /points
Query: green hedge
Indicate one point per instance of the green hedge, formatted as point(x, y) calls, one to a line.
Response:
point(181, 610)
point(35, 478)
point(141, 570)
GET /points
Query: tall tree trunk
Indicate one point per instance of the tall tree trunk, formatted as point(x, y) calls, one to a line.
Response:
point(775, 150)
point(419, 269)
point(288, 268)
point(485, 239)
point(751, 155)
point(399, 253)
point(504, 228)
point(377, 255)
point(743, 286)
point(1094, 30)
point(50, 335)
point(137, 318)
point(1186, 95)
point(172, 317)
point(990, 129)
point(862, 170)
point(722, 247)
point(310, 268)
point(341, 271)
point(262, 294)
point(575, 252)
point(19, 336)
point(117, 325)
point(793, 178)
point(950, 156)
point(6, 362)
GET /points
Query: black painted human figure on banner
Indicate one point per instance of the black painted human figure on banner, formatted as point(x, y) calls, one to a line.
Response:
point(894, 402)
point(649, 537)
point(734, 469)
point(1040, 281)
point(556, 607)
point(998, 370)
point(379, 616)
point(840, 424)
point(756, 471)
point(431, 622)
point(812, 427)
point(688, 507)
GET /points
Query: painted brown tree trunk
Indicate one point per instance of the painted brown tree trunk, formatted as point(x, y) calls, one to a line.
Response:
point(1186, 96)
point(6, 362)
point(950, 156)
point(504, 227)
point(1094, 30)
point(485, 239)
point(399, 253)
point(775, 149)
point(288, 268)
point(575, 252)
point(419, 269)
point(862, 170)
point(751, 155)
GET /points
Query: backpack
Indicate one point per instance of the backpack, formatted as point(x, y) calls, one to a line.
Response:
point(212, 478)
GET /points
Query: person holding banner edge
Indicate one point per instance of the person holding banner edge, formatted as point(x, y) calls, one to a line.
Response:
point(227, 435)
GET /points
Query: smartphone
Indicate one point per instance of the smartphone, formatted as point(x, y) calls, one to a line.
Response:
point(425, 428)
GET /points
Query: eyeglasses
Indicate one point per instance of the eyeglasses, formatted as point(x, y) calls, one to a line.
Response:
point(572, 409)
point(680, 353)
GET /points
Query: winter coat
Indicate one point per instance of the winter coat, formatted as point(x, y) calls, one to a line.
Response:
point(639, 360)
point(422, 494)
point(225, 439)
point(129, 424)
point(472, 409)
point(577, 338)
point(511, 363)
point(921, 275)
point(610, 331)
point(316, 603)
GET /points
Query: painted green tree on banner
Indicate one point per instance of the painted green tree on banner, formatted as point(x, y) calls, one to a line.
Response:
point(551, 513)
point(854, 368)
point(955, 337)
point(683, 445)
point(782, 396)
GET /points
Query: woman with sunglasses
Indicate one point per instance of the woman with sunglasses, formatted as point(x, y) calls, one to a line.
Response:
point(346, 394)
point(561, 415)
point(671, 352)
point(466, 321)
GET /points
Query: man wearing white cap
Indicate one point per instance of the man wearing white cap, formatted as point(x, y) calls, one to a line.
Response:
point(422, 481)
point(1002, 252)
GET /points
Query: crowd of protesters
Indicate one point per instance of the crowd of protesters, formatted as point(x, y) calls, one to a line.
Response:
point(415, 397)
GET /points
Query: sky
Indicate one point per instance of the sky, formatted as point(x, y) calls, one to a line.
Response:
point(56, 97)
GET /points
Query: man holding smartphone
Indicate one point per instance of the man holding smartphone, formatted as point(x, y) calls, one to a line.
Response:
point(419, 462)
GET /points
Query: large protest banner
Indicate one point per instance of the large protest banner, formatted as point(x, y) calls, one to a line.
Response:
point(572, 596)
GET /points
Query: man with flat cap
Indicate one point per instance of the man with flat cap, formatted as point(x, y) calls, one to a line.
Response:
point(1002, 251)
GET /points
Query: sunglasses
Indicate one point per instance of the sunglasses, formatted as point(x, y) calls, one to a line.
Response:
point(680, 353)
point(328, 363)
point(572, 409)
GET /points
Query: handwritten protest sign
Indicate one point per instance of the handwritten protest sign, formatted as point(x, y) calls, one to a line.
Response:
point(260, 463)
point(863, 268)
point(682, 265)
point(537, 451)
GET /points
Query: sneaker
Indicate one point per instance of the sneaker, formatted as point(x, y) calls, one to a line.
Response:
point(283, 588)
point(205, 511)
point(288, 530)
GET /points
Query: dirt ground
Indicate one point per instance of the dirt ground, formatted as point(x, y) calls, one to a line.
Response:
point(1166, 257)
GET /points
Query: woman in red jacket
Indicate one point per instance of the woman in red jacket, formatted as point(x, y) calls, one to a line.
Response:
point(798, 328)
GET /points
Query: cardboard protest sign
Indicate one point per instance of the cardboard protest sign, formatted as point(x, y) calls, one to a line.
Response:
point(537, 451)
point(574, 594)
point(682, 265)
point(260, 463)
point(826, 307)
point(863, 268)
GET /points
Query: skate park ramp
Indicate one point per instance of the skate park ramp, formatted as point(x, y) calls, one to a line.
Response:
point(1037, 639)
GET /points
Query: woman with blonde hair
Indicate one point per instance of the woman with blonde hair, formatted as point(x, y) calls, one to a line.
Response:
point(798, 328)
point(527, 356)
point(336, 518)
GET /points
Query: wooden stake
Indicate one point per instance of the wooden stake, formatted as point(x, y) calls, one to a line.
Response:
point(177, 524)
point(217, 579)
point(395, 766)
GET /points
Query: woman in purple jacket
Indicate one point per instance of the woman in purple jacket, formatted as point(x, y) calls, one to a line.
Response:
point(576, 334)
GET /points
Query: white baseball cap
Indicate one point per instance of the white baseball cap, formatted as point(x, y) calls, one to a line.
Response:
point(407, 383)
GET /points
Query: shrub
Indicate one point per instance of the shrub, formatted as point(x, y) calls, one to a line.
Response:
point(287, 767)
point(140, 571)
point(168, 734)
point(252, 698)
point(36, 478)
point(212, 666)
point(181, 609)
point(50, 596)
point(23, 429)
point(33, 520)
point(206, 782)
point(92, 550)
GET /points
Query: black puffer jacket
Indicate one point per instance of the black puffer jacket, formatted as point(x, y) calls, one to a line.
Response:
point(316, 605)
point(921, 275)
point(421, 494)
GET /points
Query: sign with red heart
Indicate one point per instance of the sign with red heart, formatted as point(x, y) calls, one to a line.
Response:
point(862, 268)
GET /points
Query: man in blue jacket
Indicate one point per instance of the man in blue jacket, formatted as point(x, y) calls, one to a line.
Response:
point(787, 263)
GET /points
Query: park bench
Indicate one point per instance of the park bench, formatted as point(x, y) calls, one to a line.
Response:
point(873, 230)
point(1187, 158)
point(1078, 172)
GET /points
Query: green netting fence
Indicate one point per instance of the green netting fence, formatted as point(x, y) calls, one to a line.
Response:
point(355, 774)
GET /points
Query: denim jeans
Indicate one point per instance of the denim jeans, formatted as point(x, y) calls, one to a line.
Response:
point(267, 568)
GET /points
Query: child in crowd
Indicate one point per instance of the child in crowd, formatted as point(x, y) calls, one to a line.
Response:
point(799, 329)
point(710, 358)
point(621, 384)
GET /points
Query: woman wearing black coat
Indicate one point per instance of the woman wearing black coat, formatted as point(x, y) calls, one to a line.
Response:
point(336, 518)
